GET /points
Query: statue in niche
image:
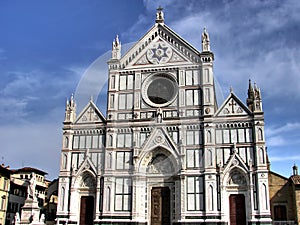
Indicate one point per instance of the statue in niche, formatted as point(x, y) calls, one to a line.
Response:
point(159, 115)
point(31, 187)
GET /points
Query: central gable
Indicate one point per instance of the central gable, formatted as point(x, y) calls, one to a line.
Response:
point(160, 46)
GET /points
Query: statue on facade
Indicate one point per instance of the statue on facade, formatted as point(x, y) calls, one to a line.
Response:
point(159, 115)
point(159, 15)
point(31, 187)
point(17, 218)
point(205, 41)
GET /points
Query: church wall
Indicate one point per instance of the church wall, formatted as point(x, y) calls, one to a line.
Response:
point(164, 133)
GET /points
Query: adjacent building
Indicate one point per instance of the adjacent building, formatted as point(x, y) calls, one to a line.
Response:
point(18, 190)
point(4, 191)
point(285, 197)
point(51, 202)
point(166, 152)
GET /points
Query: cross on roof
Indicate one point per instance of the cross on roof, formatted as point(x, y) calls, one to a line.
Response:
point(91, 113)
point(232, 104)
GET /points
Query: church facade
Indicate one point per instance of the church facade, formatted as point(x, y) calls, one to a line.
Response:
point(165, 153)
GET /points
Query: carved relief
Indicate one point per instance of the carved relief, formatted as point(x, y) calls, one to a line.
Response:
point(88, 181)
point(159, 52)
point(142, 61)
point(160, 164)
point(237, 178)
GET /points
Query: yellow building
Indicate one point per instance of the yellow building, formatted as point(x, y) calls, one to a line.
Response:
point(285, 198)
point(4, 190)
point(18, 190)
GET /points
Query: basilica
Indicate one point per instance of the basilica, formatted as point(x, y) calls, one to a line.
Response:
point(165, 152)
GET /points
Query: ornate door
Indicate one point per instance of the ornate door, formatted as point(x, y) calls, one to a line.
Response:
point(87, 210)
point(160, 206)
point(237, 209)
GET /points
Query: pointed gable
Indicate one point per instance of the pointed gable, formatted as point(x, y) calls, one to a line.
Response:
point(87, 165)
point(235, 161)
point(159, 46)
point(160, 138)
point(90, 114)
point(232, 106)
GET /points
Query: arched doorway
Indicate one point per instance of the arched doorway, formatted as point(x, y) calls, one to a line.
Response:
point(237, 209)
point(237, 188)
point(160, 168)
point(87, 190)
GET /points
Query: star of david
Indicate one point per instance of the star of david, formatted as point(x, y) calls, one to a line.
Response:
point(159, 52)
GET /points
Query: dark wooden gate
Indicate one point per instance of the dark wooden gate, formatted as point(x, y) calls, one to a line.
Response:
point(237, 210)
point(160, 206)
point(87, 210)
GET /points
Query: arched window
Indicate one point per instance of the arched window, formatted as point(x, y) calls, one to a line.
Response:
point(264, 197)
point(209, 158)
point(208, 136)
point(64, 165)
point(109, 160)
point(260, 134)
point(110, 140)
point(62, 199)
point(66, 142)
point(261, 156)
point(211, 198)
point(108, 198)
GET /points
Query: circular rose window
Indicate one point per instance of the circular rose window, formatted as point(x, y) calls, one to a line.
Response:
point(160, 90)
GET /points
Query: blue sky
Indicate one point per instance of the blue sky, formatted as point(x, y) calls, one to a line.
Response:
point(48, 47)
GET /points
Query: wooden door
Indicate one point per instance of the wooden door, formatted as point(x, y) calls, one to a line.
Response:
point(160, 206)
point(87, 210)
point(237, 210)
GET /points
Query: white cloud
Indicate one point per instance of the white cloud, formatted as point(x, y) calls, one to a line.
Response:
point(284, 158)
point(276, 141)
point(32, 144)
point(285, 135)
point(289, 127)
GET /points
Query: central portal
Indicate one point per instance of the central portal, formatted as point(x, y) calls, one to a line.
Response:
point(237, 209)
point(87, 210)
point(160, 206)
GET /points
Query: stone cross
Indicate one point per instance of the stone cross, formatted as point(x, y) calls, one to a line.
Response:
point(232, 104)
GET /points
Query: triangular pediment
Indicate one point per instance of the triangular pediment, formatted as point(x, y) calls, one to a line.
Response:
point(232, 106)
point(159, 138)
point(90, 114)
point(160, 46)
point(86, 165)
point(235, 161)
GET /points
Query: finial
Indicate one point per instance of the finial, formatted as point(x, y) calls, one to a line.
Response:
point(231, 89)
point(116, 48)
point(205, 41)
point(116, 41)
point(91, 98)
point(159, 15)
point(295, 170)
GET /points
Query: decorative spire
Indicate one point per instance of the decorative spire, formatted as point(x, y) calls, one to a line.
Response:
point(116, 49)
point(159, 15)
point(205, 41)
point(295, 170)
point(70, 112)
point(254, 101)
